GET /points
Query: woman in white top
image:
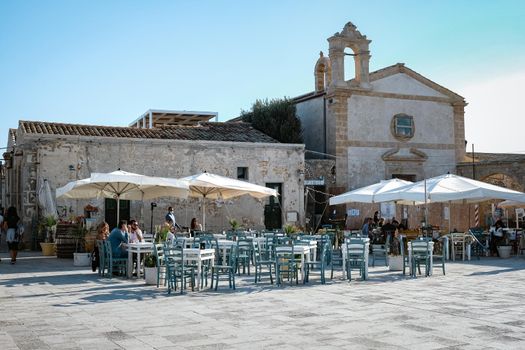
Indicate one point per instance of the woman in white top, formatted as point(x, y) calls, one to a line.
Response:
point(135, 234)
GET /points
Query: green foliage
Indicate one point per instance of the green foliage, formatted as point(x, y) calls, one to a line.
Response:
point(50, 221)
point(162, 235)
point(234, 224)
point(150, 261)
point(276, 118)
point(289, 229)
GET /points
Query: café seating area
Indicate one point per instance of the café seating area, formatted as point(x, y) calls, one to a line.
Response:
point(207, 260)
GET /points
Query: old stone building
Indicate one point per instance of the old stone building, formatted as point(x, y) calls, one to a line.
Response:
point(64, 152)
point(393, 122)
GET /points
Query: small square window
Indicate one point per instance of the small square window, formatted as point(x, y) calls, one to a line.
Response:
point(242, 173)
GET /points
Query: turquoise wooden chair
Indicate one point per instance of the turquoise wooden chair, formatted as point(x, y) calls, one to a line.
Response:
point(158, 252)
point(321, 264)
point(404, 253)
point(420, 252)
point(115, 264)
point(225, 269)
point(176, 270)
point(262, 260)
point(380, 251)
point(355, 257)
point(287, 264)
point(103, 263)
point(244, 254)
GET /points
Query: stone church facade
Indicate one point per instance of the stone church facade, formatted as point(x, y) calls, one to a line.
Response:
point(393, 122)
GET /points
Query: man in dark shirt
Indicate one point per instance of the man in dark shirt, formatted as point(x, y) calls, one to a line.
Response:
point(388, 230)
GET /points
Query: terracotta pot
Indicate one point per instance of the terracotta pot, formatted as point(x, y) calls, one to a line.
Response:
point(48, 249)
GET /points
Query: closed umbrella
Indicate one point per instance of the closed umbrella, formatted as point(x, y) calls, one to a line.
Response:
point(46, 201)
point(213, 186)
point(123, 185)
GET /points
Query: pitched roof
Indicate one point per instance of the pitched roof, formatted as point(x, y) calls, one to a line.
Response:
point(232, 132)
point(386, 72)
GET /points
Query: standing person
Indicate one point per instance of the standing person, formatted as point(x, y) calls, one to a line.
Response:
point(117, 237)
point(367, 227)
point(102, 235)
point(11, 222)
point(376, 218)
point(170, 218)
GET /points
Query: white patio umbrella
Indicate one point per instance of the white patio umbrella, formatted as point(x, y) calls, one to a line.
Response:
point(213, 186)
point(368, 193)
point(123, 185)
point(449, 188)
point(511, 204)
point(508, 204)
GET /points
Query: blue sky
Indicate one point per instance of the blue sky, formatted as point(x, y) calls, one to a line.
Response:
point(107, 62)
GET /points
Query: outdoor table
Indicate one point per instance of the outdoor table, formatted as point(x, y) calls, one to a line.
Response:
point(304, 250)
point(344, 254)
point(199, 255)
point(431, 252)
point(137, 248)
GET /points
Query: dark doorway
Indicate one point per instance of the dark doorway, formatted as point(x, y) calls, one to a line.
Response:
point(110, 213)
point(272, 211)
point(406, 177)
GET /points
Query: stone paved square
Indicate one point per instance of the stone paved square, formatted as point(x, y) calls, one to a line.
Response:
point(47, 303)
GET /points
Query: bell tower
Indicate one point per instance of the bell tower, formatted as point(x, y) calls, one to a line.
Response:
point(351, 38)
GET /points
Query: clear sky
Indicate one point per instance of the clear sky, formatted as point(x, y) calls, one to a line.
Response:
point(107, 62)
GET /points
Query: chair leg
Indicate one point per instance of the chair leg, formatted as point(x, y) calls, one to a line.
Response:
point(271, 277)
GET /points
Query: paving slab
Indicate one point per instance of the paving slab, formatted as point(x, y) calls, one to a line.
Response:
point(47, 303)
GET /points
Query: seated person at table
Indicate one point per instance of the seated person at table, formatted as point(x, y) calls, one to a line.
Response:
point(103, 231)
point(366, 230)
point(388, 229)
point(117, 237)
point(195, 226)
point(497, 237)
point(395, 222)
point(135, 234)
point(102, 235)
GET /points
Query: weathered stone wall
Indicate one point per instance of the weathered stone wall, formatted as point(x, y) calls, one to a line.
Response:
point(267, 163)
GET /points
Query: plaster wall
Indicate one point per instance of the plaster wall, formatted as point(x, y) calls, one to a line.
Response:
point(267, 163)
point(311, 114)
point(403, 84)
point(370, 118)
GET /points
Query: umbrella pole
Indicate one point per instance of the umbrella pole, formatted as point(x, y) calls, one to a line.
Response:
point(426, 209)
point(118, 209)
point(204, 213)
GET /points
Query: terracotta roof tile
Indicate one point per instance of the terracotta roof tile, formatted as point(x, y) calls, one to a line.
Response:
point(211, 131)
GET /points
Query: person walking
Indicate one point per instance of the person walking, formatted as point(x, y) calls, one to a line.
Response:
point(11, 222)
point(170, 218)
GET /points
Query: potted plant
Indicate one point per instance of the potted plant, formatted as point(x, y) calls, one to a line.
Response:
point(234, 224)
point(48, 227)
point(395, 259)
point(150, 269)
point(80, 257)
point(162, 235)
point(504, 247)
